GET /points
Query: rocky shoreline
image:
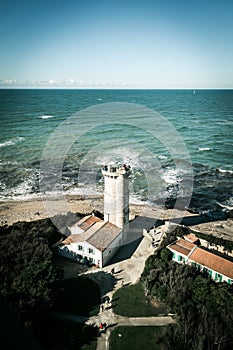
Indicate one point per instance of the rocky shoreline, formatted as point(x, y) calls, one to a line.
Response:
point(37, 209)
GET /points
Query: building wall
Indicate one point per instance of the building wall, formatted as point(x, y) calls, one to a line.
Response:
point(122, 201)
point(215, 275)
point(110, 199)
point(112, 249)
point(178, 257)
point(116, 195)
point(83, 249)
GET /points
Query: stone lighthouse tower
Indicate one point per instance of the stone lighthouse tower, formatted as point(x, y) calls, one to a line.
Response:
point(116, 194)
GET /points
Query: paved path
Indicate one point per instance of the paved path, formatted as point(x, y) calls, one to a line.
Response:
point(116, 320)
point(126, 271)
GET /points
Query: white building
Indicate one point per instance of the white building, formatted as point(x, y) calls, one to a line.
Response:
point(93, 239)
point(116, 194)
point(185, 250)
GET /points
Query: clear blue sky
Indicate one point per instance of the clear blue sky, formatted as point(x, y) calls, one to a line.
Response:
point(146, 43)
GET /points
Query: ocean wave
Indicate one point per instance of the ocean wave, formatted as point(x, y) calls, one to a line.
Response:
point(204, 149)
point(11, 142)
point(210, 184)
point(7, 162)
point(171, 176)
point(227, 205)
point(162, 157)
point(225, 171)
point(225, 122)
point(46, 116)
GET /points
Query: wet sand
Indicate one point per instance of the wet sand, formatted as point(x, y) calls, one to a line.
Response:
point(35, 209)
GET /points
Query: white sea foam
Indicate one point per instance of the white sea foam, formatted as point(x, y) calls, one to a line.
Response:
point(171, 176)
point(4, 163)
point(22, 191)
point(121, 154)
point(225, 171)
point(225, 122)
point(204, 149)
point(162, 157)
point(228, 205)
point(11, 142)
point(46, 116)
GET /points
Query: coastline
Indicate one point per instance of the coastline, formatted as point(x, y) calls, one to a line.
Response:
point(32, 210)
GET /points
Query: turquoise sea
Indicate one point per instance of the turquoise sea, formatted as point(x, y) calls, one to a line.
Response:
point(203, 119)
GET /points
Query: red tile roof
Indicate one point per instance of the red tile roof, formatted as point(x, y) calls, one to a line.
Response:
point(86, 222)
point(203, 257)
point(182, 246)
point(98, 233)
point(212, 261)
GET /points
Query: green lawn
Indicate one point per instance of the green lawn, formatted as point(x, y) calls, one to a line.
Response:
point(79, 296)
point(131, 301)
point(136, 338)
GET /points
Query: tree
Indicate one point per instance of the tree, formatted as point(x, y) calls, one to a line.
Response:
point(26, 271)
point(204, 309)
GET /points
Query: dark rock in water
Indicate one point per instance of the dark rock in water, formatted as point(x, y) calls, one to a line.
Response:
point(216, 215)
point(193, 210)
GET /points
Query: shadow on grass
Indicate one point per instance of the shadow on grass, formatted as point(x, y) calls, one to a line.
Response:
point(60, 335)
point(79, 296)
point(105, 281)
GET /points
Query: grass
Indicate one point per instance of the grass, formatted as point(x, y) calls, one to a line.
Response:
point(131, 301)
point(136, 338)
point(79, 296)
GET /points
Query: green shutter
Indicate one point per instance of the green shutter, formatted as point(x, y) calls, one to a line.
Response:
point(210, 272)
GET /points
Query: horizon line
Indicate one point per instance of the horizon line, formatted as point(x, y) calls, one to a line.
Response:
point(36, 87)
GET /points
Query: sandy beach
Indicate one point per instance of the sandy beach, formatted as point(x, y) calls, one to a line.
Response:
point(34, 209)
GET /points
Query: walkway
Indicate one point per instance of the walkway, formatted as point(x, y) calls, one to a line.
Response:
point(126, 271)
point(115, 320)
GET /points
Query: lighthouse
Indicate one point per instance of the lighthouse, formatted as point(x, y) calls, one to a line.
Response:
point(116, 194)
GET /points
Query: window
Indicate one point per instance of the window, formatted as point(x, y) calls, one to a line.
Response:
point(91, 251)
point(80, 247)
point(218, 277)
